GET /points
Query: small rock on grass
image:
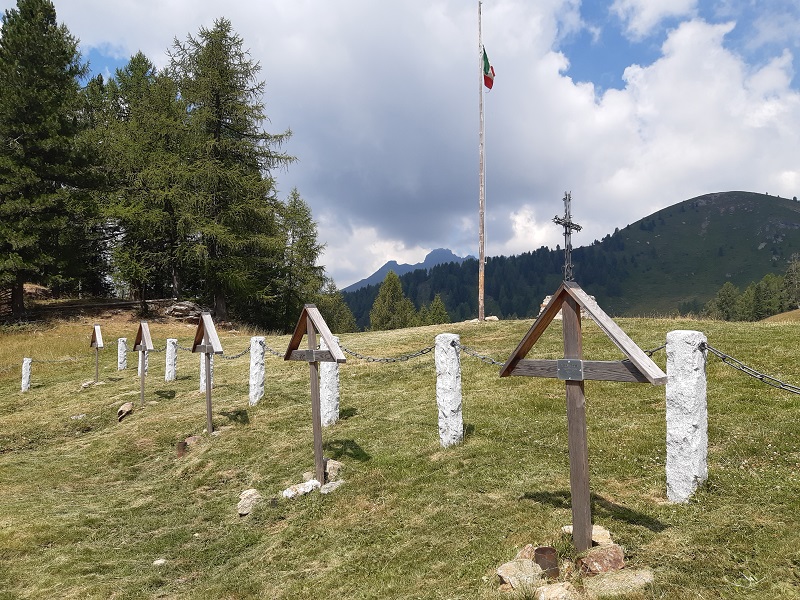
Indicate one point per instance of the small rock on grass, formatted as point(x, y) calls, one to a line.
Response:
point(518, 573)
point(600, 535)
point(557, 591)
point(619, 583)
point(300, 489)
point(159, 562)
point(124, 410)
point(247, 500)
point(602, 559)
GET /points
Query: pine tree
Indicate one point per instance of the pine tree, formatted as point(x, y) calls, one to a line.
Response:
point(392, 310)
point(437, 312)
point(335, 311)
point(146, 141)
point(302, 279)
point(235, 236)
point(40, 69)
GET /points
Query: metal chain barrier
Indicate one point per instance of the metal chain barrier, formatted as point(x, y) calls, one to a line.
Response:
point(654, 350)
point(235, 356)
point(390, 359)
point(736, 364)
point(475, 354)
point(184, 348)
point(156, 350)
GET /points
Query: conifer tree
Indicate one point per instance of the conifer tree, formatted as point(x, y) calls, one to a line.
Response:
point(335, 311)
point(40, 69)
point(391, 309)
point(230, 191)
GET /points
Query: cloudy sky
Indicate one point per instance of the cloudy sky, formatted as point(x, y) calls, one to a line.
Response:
point(632, 105)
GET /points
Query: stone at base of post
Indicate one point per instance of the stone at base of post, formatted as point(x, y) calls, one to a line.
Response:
point(26, 374)
point(171, 366)
point(122, 354)
point(448, 389)
point(687, 414)
point(328, 388)
point(203, 372)
point(257, 369)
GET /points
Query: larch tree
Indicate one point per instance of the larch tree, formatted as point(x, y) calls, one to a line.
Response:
point(232, 206)
point(40, 165)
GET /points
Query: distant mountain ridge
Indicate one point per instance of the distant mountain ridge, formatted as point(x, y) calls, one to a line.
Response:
point(439, 256)
point(672, 261)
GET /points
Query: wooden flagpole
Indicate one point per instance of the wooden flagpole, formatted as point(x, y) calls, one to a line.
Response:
point(482, 184)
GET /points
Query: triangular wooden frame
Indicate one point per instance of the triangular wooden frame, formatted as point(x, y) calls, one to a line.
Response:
point(97, 337)
point(332, 354)
point(143, 339)
point(637, 368)
point(206, 332)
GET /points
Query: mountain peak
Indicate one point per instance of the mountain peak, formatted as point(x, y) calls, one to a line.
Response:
point(435, 257)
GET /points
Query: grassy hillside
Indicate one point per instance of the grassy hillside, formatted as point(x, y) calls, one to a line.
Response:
point(688, 251)
point(87, 503)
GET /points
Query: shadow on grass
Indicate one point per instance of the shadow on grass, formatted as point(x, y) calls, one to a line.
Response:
point(239, 416)
point(600, 507)
point(349, 448)
point(166, 394)
point(347, 413)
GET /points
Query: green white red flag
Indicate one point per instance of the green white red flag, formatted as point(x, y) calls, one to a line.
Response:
point(488, 71)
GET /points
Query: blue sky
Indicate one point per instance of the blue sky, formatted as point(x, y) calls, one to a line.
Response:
point(632, 105)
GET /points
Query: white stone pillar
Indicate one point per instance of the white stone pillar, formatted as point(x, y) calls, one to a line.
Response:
point(687, 414)
point(203, 371)
point(328, 388)
point(172, 360)
point(143, 362)
point(257, 348)
point(448, 389)
point(122, 354)
point(26, 374)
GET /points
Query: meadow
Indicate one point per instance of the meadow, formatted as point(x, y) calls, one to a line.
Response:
point(87, 504)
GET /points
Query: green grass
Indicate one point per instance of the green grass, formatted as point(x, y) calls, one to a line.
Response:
point(87, 504)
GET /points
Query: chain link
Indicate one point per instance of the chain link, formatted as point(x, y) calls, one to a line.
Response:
point(654, 350)
point(184, 348)
point(271, 351)
point(393, 359)
point(235, 356)
point(740, 366)
point(475, 354)
point(157, 350)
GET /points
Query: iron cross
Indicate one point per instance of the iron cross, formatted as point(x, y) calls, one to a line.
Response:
point(569, 227)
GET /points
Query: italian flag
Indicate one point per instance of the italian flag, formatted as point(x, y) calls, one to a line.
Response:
point(488, 71)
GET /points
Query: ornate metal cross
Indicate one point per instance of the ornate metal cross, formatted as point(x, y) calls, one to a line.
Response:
point(569, 227)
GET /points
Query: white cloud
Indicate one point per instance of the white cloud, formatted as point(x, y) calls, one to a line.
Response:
point(642, 16)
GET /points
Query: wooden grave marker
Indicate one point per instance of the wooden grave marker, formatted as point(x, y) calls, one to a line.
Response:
point(207, 341)
point(143, 344)
point(311, 323)
point(573, 370)
point(96, 343)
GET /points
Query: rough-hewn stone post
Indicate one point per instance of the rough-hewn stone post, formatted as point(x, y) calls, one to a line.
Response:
point(26, 374)
point(257, 369)
point(448, 389)
point(687, 414)
point(122, 354)
point(171, 366)
point(203, 371)
point(328, 388)
point(143, 362)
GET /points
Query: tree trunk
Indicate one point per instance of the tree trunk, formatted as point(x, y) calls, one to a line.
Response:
point(220, 307)
point(176, 284)
point(18, 297)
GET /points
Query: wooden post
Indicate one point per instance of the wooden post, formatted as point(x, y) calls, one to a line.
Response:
point(96, 343)
point(316, 413)
point(207, 342)
point(576, 425)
